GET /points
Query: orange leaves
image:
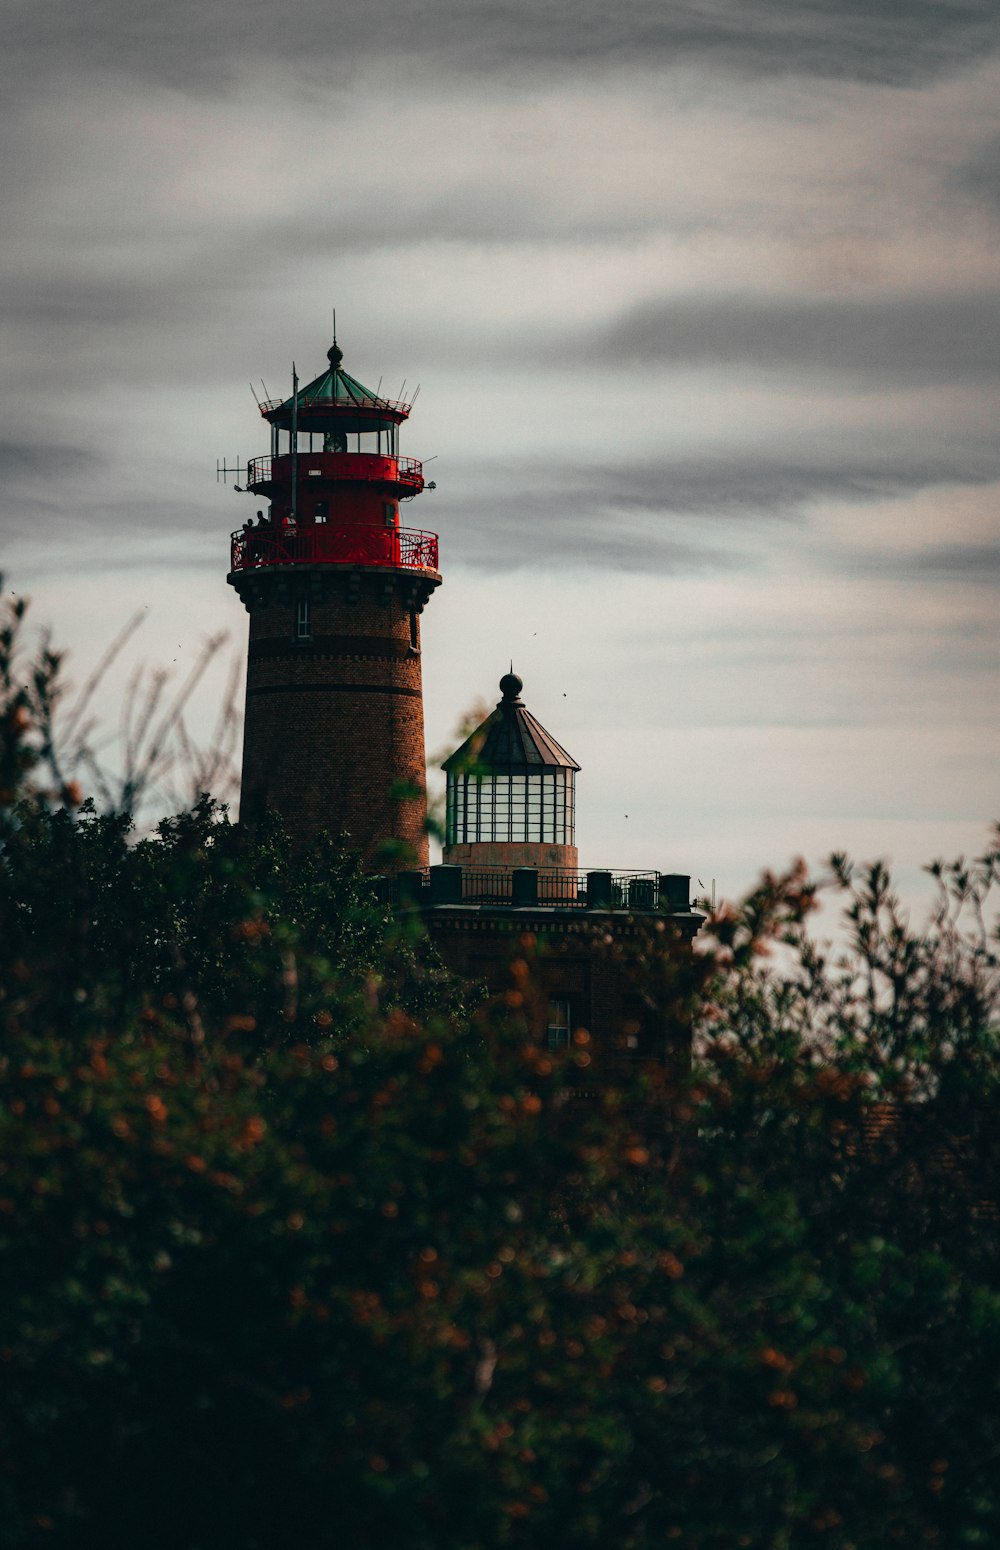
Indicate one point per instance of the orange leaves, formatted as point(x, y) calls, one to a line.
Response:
point(399, 1025)
point(253, 929)
point(156, 1108)
point(226, 1181)
point(240, 1023)
point(253, 1131)
point(938, 1469)
point(671, 1265)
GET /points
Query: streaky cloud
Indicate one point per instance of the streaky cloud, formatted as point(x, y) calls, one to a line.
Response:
point(926, 339)
point(195, 46)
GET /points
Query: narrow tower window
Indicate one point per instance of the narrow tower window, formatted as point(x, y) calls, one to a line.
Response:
point(414, 631)
point(303, 621)
point(558, 1024)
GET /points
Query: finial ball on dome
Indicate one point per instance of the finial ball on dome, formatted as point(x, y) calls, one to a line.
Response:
point(335, 354)
point(510, 686)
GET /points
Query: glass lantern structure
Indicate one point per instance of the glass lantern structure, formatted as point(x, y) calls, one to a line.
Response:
point(511, 791)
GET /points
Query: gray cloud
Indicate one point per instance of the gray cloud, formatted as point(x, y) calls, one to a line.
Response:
point(37, 461)
point(980, 177)
point(640, 518)
point(911, 338)
point(189, 43)
point(963, 563)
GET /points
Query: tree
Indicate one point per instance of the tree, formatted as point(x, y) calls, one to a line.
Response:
point(297, 1249)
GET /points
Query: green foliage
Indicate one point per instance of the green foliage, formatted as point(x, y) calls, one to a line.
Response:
point(298, 1250)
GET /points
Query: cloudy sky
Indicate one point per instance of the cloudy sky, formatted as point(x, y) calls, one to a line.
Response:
point(704, 301)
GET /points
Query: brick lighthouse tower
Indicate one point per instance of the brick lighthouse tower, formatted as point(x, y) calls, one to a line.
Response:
point(334, 586)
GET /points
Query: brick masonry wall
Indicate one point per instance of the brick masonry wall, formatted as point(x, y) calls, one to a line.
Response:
point(511, 853)
point(334, 724)
point(594, 961)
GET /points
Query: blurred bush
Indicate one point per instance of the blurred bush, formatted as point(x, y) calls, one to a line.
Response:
point(299, 1249)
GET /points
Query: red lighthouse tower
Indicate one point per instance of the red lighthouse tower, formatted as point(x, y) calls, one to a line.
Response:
point(334, 586)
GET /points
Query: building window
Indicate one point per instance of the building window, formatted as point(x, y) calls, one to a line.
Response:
point(536, 808)
point(303, 621)
point(414, 631)
point(558, 1027)
point(389, 512)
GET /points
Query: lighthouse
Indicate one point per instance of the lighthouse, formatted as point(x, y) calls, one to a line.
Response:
point(335, 586)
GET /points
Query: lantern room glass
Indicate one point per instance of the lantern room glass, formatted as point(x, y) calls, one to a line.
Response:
point(535, 808)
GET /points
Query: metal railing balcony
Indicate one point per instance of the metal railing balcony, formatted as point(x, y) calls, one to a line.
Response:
point(400, 547)
point(527, 886)
point(363, 467)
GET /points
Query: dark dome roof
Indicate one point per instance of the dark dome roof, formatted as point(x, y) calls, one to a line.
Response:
point(510, 741)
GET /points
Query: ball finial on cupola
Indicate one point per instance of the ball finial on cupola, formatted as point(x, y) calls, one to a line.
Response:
point(510, 686)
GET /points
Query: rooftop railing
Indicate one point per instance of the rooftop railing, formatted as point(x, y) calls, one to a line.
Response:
point(530, 887)
point(257, 547)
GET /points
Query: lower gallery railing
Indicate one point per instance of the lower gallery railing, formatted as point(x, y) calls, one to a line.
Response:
point(410, 548)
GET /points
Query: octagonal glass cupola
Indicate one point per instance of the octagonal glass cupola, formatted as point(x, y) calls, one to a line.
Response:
point(511, 791)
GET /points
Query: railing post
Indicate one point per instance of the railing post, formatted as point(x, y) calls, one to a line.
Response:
point(524, 886)
point(600, 890)
point(411, 888)
point(675, 892)
point(446, 884)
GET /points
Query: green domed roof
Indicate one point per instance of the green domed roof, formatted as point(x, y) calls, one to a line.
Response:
point(336, 400)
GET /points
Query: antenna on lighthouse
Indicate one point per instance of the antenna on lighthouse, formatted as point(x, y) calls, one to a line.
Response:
point(295, 444)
